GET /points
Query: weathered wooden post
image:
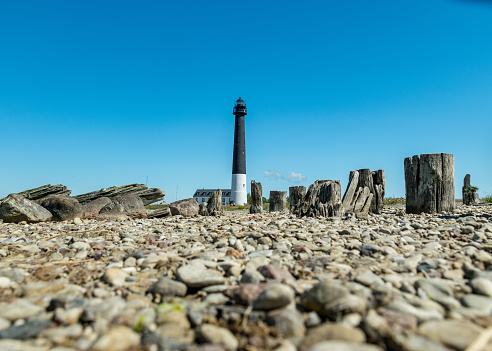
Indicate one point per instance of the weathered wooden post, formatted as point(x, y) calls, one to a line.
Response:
point(365, 191)
point(256, 198)
point(214, 203)
point(470, 195)
point(429, 183)
point(379, 182)
point(323, 199)
point(278, 200)
point(296, 196)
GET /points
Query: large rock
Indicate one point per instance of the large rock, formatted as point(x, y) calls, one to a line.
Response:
point(147, 195)
point(63, 208)
point(130, 205)
point(186, 207)
point(160, 213)
point(16, 208)
point(92, 208)
point(45, 190)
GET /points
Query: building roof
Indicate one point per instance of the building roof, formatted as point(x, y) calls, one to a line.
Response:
point(208, 192)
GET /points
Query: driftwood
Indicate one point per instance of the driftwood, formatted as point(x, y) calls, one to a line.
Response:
point(256, 198)
point(45, 190)
point(429, 183)
point(214, 203)
point(147, 195)
point(323, 199)
point(365, 191)
point(470, 195)
point(296, 196)
point(278, 200)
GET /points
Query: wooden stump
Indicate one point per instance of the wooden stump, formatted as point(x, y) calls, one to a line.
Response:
point(365, 191)
point(278, 200)
point(470, 195)
point(296, 197)
point(379, 183)
point(214, 203)
point(202, 209)
point(323, 199)
point(256, 198)
point(429, 183)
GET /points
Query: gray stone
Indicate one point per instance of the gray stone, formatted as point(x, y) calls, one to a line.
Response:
point(147, 195)
point(63, 208)
point(118, 338)
point(114, 276)
point(323, 293)
point(287, 322)
point(482, 286)
point(331, 332)
point(168, 287)
point(16, 208)
point(343, 346)
point(92, 208)
point(437, 291)
point(479, 302)
point(274, 296)
point(186, 207)
point(28, 330)
point(452, 333)
point(20, 309)
point(222, 337)
point(129, 204)
point(197, 277)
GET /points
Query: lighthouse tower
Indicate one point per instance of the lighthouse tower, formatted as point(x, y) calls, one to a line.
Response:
point(238, 186)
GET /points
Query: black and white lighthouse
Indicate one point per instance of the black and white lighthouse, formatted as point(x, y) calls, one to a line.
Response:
point(238, 186)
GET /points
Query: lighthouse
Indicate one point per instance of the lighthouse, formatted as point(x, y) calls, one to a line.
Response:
point(238, 185)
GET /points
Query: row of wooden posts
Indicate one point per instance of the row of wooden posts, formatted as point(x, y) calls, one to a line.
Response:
point(429, 185)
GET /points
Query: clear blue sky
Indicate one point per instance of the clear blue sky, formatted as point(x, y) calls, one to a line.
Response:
point(101, 93)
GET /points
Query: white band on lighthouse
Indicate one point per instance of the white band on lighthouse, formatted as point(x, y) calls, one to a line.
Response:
point(238, 189)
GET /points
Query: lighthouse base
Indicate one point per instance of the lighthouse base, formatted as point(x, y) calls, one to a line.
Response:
point(238, 189)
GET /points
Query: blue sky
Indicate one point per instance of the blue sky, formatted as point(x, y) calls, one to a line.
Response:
point(102, 93)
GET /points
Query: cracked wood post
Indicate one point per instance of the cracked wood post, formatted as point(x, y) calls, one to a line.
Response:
point(296, 197)
point(323, 199)
point(470, 195)
point(214, 203)
point(256, 198)
point(429, 183)
point(278, 201)
point(379, 182)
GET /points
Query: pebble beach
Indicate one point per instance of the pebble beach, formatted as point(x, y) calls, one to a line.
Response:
point(237, 281)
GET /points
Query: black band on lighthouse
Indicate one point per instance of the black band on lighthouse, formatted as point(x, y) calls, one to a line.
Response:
point(239, 155)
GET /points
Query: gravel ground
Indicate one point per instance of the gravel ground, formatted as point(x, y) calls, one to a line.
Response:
point(250, 282)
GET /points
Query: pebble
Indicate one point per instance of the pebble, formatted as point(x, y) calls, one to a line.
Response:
point(274, 296)
point(452, 333)
point(168, 287)
point(118, 338)
point(197, 277)
point(222, 337)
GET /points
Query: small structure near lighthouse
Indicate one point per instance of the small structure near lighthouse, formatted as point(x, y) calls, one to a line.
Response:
point(238, 185)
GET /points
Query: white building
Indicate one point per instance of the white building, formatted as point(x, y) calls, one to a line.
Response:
point(202, 195)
